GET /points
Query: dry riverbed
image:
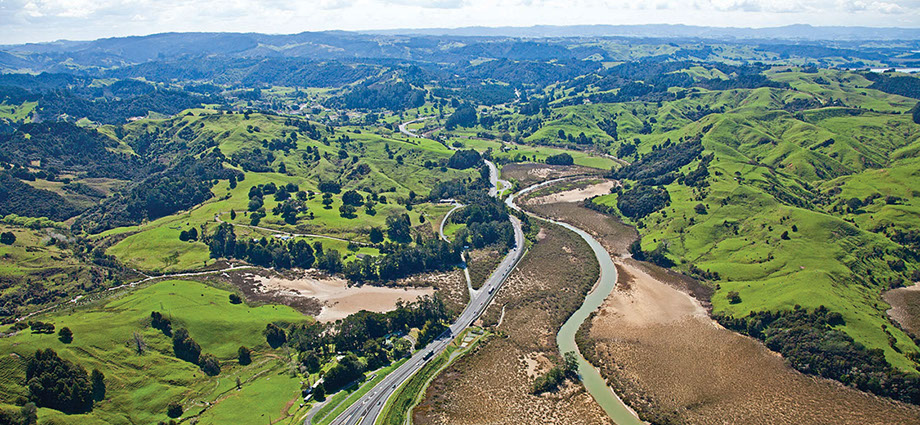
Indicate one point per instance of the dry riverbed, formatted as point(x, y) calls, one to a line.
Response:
point(328, 298)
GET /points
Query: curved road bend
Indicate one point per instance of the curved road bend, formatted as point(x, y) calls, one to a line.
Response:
point(366, 410)
point(404, 127)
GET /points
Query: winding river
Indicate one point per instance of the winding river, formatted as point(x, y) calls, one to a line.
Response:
point(565, 339)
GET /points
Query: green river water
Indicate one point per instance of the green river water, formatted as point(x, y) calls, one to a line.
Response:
point(565, 339)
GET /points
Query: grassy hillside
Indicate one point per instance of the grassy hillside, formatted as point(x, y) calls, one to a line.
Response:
point(139, 386)
point(370, 163)
point(771, 218)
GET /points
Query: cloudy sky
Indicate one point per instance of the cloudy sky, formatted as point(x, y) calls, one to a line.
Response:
point(46, 20)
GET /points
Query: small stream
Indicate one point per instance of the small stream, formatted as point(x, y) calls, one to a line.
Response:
point(565, 339)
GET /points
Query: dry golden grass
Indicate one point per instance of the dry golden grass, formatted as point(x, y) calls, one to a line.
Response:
point(687, 369)
point(905, 308)
point(527, 173)
point(491, 385)
point(481, 263)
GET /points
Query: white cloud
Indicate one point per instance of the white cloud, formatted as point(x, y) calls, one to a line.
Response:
point(44, 20)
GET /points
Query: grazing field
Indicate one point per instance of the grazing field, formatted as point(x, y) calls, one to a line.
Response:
point(41, 268)
point(492, 383)
point(141, 384)
point(538, 153)
point(390, 171)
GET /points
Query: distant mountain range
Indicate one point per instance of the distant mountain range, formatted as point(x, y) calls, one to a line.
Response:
point(789, 32)
point(846, 46)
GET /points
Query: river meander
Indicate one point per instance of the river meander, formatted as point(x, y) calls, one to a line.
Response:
point(593, 381)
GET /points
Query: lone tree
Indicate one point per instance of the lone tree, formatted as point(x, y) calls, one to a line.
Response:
point(376, 235)
point(65, 335)
point(235, 299)
point(319, 393)
point(733, 297)
point(7, 238)
point(245, 355)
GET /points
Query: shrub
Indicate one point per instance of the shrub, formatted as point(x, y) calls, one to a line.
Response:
point(235, 299)
point(174, 410)
point(733, 297)
point(244, 355)
point(7, 238)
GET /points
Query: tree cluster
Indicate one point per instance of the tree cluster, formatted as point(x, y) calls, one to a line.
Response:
point(812, 344)
point(560, 159)
point(62, 385)
point(641, 201)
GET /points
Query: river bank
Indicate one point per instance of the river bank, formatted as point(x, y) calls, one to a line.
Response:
point(656, 345)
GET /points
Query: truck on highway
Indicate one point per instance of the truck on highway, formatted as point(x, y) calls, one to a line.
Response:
point(429, 354)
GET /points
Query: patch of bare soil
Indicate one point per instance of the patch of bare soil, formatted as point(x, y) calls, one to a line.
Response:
point(576, 195)
point(450, 286)
point(336, 299)
point(530, 173)
point(492, 383)
point(905, 307)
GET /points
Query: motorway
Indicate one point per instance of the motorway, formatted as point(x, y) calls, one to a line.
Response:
point(366, 410)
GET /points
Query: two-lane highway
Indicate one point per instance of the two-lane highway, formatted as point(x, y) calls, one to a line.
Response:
point(365, 410)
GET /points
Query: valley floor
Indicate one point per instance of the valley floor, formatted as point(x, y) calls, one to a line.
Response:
point(657, 346)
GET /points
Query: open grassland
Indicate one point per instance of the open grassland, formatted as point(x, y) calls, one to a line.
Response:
point(539, 153)
point(17, 113)
point(492, 383)
point(139, 386)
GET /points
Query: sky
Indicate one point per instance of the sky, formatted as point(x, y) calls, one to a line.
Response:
point(24, 21)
